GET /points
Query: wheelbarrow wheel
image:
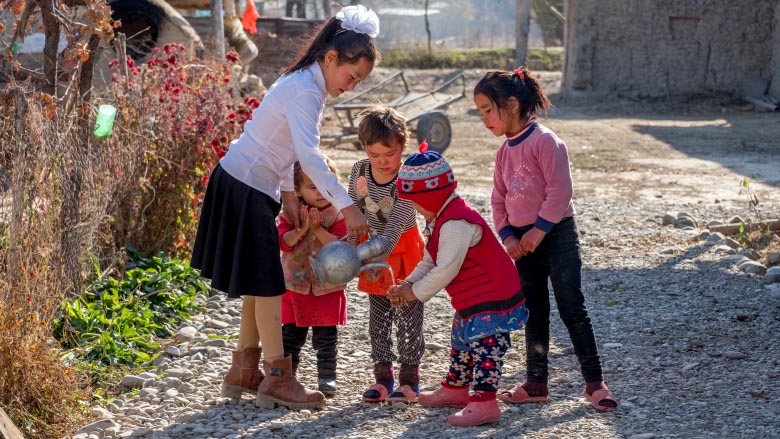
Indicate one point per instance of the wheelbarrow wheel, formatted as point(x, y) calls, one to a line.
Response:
point(434, 127)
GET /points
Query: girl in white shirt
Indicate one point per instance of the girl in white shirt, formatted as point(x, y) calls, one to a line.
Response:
point(237, 243)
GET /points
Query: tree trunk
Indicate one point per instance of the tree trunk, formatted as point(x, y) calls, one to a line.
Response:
point(522, 23)
point(217, 30)
point(87, 69)
point(428, 29)
point(52, 32)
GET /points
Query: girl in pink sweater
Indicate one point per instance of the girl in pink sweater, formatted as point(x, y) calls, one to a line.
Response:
point(534, 217)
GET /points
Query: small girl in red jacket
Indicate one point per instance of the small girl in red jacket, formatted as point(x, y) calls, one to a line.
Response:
point(307, 303)
point(464, 257)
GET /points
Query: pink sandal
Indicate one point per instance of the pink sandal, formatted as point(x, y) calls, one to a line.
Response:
point(598, 396)
point(376, 393)
point(518, 395)
point(404, 394)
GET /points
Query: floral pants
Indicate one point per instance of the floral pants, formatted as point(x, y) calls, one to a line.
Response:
point(481, 364)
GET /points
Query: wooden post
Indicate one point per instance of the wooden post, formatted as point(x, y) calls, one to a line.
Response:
point(522, 24)
point(217, 30)
point(7, 428)
point(733, 229)
point(120, 43)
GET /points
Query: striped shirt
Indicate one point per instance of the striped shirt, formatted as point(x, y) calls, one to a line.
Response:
point(385, 212)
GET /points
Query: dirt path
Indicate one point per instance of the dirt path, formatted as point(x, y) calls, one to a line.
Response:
point(680, 152)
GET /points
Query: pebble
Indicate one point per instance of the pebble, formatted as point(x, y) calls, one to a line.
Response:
point(665, 309)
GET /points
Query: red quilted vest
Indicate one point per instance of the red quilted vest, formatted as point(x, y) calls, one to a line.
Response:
point(487, 280)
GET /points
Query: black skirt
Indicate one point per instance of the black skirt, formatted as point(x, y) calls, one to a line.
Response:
point(237, 245)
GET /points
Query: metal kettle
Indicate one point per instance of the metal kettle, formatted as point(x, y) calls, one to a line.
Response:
point(338, 262)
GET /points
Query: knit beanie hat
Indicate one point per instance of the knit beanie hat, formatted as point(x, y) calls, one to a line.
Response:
point(426, 179)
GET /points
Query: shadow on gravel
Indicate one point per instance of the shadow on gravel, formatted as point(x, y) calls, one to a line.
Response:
point(677, 336)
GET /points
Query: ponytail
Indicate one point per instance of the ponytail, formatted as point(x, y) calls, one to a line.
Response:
point(500, 85)
point(350, 45)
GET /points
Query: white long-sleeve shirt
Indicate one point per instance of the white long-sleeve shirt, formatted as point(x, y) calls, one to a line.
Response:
point(455, 239)
point(283, 129)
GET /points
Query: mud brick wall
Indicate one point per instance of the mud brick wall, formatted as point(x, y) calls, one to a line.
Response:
point(657, 48)
point(775, 87)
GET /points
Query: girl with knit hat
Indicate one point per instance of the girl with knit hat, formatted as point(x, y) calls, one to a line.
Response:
point(534, 216)
point(463, 257)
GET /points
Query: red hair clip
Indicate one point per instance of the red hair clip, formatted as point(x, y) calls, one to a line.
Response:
point(423, 146)
point(519, 73)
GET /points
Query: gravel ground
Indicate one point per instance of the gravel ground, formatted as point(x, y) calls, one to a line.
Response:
point(688, 339)
point(688, 343)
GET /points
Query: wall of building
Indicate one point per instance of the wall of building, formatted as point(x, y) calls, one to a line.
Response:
point(655, 48)
point(775, 87)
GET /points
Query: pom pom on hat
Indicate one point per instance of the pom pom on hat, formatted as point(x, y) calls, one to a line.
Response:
point(426, 179)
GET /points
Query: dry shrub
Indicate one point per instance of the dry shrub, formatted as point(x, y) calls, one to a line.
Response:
point(175, 119)
point(40, 393)
point(72, 197)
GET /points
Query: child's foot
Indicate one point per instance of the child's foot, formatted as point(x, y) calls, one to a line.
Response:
point(376, 393)
point(446, 396)
point(528, 392)
point(404, 393)
point(482, 409)
point(327, 386)
point(600, 397)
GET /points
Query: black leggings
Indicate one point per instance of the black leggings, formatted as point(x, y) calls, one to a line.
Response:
point(324, 340)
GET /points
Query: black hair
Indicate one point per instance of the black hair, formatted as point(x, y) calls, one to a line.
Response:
point(500, 85)
point(351, 46)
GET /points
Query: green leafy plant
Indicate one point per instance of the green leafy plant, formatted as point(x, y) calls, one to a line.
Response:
point(119, 322)
point(752, 199)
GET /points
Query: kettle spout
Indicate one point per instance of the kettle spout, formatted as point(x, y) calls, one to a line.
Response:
point(372, 265)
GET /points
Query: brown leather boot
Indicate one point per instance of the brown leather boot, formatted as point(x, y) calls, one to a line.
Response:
point(244, 374)
point(281, 388)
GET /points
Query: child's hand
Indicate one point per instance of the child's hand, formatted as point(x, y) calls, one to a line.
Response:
point(401, 295)
point(531, 239)
point(291, 209)
point(514, 248)
point(315, 218)
point(305, 220)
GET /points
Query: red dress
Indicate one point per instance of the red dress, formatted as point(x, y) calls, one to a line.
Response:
point(307, 309)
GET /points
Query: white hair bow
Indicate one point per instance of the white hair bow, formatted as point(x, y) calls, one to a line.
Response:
point(360, 19)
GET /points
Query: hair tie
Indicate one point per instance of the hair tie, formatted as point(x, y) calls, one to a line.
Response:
point(359, 19)
point(519, 73)
point(423, 146)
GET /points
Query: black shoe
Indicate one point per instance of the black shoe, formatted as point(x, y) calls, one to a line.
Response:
point(327, 386)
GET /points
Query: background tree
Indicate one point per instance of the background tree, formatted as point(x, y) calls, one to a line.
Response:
point(522, 24)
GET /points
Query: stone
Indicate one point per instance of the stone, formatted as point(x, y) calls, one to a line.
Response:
point(736, 219)
point(132, 381)
point(186, 333)
point(750, 253)
point(668, 219)
point(772, 258)
point(753, 267)
point(772, 275)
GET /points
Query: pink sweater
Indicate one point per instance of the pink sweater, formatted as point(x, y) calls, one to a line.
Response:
point(531, 182)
